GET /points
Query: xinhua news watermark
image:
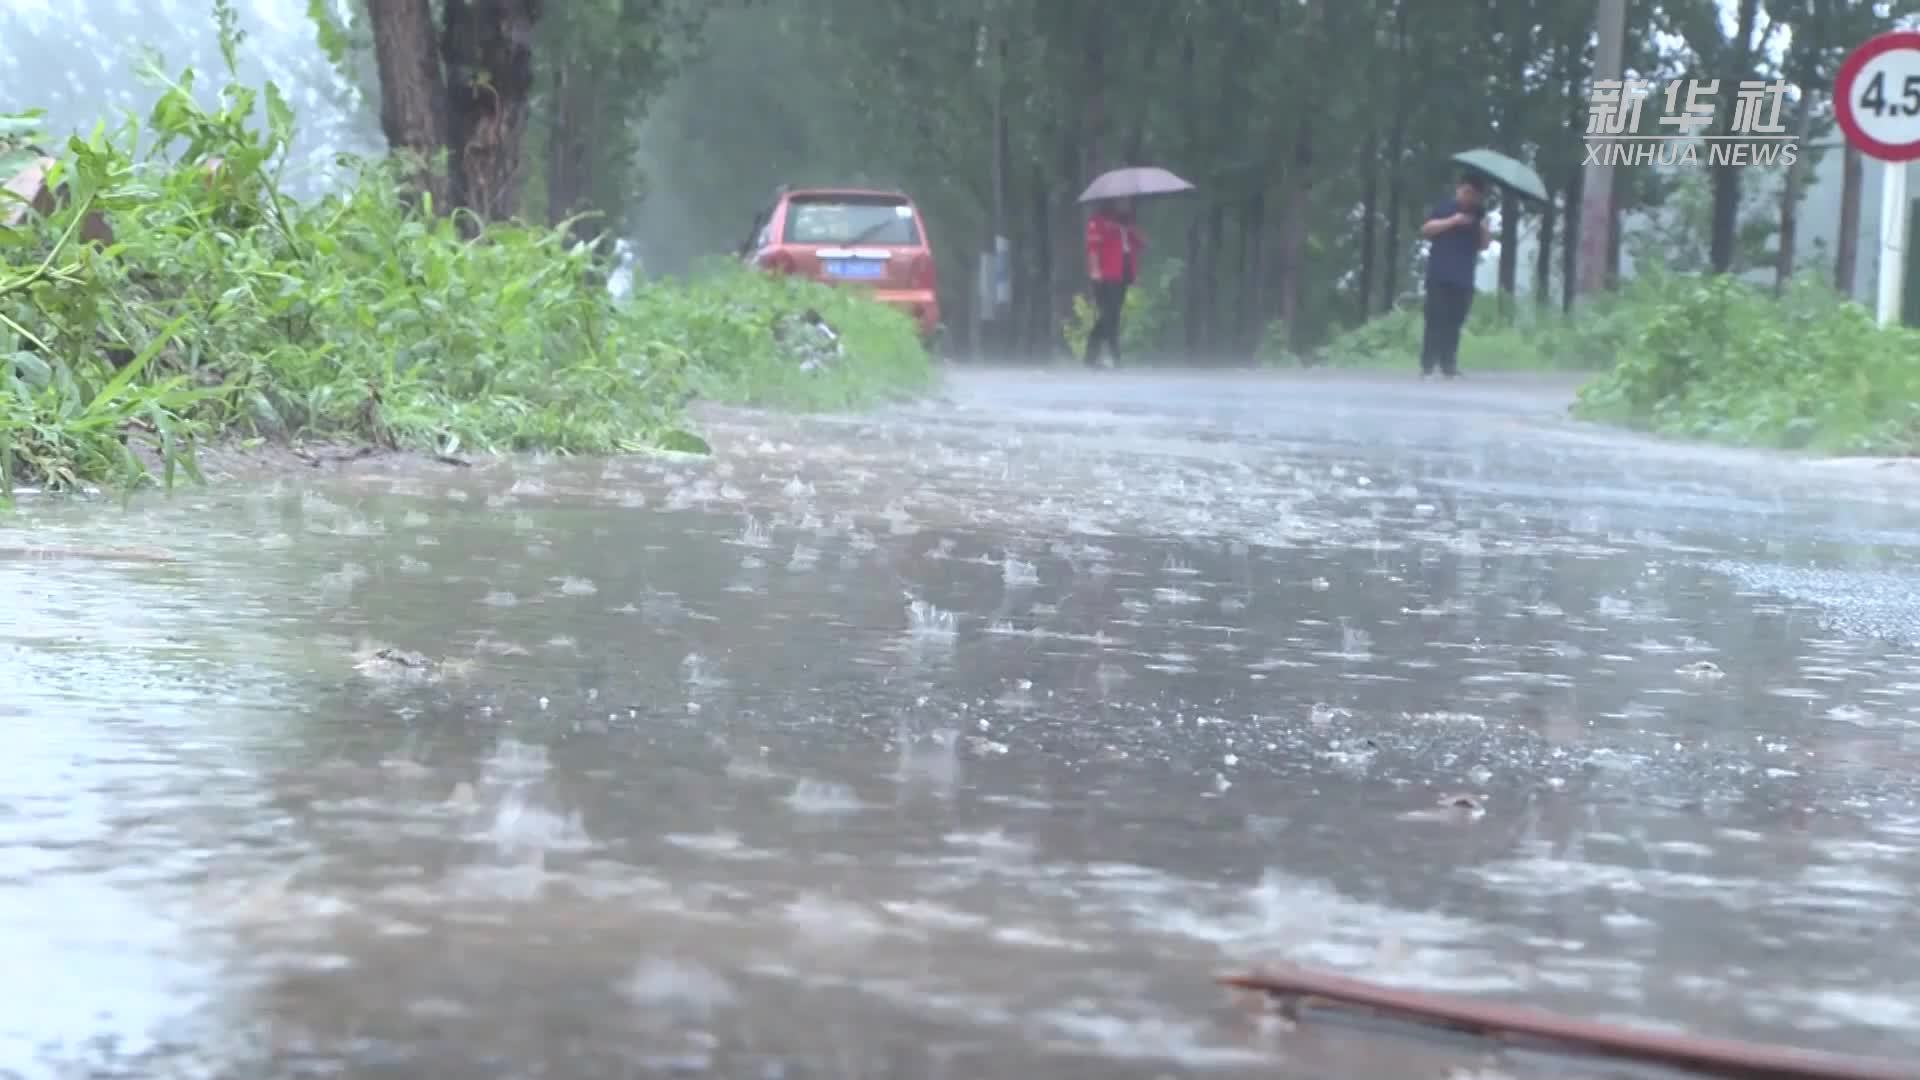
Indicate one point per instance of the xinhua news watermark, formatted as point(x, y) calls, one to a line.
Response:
point(1617, 107)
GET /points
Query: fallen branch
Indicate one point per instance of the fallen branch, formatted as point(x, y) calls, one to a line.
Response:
point(1518, 1025)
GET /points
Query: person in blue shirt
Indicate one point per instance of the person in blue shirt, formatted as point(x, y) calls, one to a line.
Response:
point(1458, 232)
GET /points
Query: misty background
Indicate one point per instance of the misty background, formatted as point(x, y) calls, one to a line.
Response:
point(700, 110)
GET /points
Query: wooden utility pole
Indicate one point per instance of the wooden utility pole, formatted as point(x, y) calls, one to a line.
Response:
point(1596, 206)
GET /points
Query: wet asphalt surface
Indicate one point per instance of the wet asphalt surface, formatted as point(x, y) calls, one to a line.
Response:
point(970, 739)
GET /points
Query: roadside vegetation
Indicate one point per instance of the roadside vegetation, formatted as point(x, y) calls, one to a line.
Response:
point(1697, 356)
point(1494, 339)
point(219, 307)
point(1710, 357)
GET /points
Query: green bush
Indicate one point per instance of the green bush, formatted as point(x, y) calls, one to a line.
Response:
point(1389, 340)
point(1711, 357)
point(749, 344)
point(1146, 316)
point(220, 307)
point(1528, 340)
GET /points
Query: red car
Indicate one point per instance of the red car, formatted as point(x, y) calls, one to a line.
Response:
point(850, 236)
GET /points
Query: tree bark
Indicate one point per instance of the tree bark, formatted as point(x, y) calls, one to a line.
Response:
point(1069, 223)
point(1041, 324)
point(1095, 116)
point(1369, 221)
point(1790, 192)
point(1846, 262)
point(487, 48)
point(1247, 300)
point(1726, 178)
point(1210, 275)
point(1294, 211)
point(571, 113)
point(1570, 242)
point(1193, 309)
point(1516, 26)
point(413, 95)
point(1597, 180)
point(1543, 256)
point(1393, 255)
point(1616, 209)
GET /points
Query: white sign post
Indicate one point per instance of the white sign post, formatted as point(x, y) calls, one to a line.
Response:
point(1876, 99)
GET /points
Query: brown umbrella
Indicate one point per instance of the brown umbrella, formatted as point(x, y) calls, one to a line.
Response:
point(1133, 182)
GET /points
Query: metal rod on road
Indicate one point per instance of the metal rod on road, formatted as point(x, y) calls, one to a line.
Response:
point(1519, 1025)
point(1893, 239)
point(1596, 208)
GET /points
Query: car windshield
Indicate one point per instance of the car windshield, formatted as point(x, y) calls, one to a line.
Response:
point(851, 220)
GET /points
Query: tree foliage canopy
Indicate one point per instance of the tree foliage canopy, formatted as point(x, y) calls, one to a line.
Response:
point(1316, 130)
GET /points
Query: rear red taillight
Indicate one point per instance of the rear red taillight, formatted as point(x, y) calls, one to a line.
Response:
point(780, 263)
point(923, 275)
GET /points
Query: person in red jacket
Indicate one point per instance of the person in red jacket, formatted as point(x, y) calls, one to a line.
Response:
point(1114, 247)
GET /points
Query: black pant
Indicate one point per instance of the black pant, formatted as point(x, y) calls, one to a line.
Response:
point(1109, 297)
point(1446, 310)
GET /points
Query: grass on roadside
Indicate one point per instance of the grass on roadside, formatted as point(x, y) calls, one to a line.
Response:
point(1716, 359)
point(220, 307)
point(1697, 356)
point(751, 344)
point(1491, 341)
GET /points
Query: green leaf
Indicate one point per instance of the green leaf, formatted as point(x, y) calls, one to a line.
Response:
point(118, 384)
point(279, 114)
point(29, 368)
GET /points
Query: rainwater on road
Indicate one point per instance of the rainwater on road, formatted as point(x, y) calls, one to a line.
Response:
point(970, 739)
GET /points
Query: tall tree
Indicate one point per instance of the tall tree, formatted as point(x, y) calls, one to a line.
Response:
point(486, 48)
point(453, 88)
point(1730, 59)
point(413, 95)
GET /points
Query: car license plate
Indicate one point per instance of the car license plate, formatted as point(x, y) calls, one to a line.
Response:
point(854, 268)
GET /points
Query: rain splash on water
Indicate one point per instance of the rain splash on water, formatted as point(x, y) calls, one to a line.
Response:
point(971, 739)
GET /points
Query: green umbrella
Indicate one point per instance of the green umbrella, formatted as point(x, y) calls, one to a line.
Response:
point(1516, 176)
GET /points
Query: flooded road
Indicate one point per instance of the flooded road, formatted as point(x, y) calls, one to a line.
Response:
point(967, 740)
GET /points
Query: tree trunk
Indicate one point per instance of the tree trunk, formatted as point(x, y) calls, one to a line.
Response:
point(1247, 301)
point(1069, 223)
point(487, 47)
point(1574, 94)
point(1393, 256)
point(570, 123)
point(1041, 327)
point(1570, 243)
point(1095, 117)
point(413, 96)
point(1726, 177)
point(1210, 275)
point(1294, 210)
point(1616, 209)
point(1193, 305)
point(1369, 221)
point(1790, 192)
point(1516, 25)
point(1847, 251)
point(1543, 257)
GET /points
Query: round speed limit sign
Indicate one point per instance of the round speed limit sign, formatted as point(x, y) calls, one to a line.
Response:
point(1876, 97)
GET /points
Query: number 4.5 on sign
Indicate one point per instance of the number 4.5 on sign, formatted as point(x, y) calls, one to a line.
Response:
point(1873, 100)
point(1876, 100)
point(1877, 97)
